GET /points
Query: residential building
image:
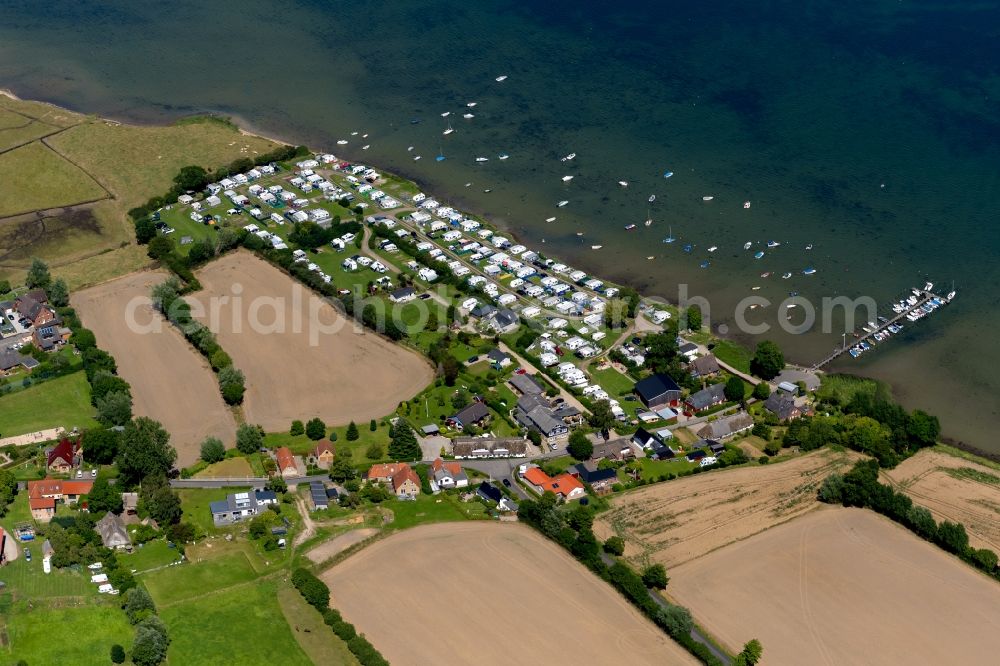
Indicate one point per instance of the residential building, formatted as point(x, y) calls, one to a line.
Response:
point(658, 391)
point(10, 360)
point(600, 480)
point(704, 366)
point(502, 321)
point(489, 447)
point(322, 456)
point(32, 306)
point(534, 413)
point(403, 295)
point(498, 358)
point(113, 532)
point(476, 414)
point(726, 426)
point(707, 397)
point(615, 449)
point(64, 456)
point(239, 506)
point(688, 349)
point(525, 384)
point(564, 485)
point(286, 462)
point(44, 494)
point(448, 474)
point(783, 406)
point(400, 477)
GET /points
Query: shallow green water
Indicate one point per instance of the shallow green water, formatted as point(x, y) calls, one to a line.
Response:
point(870, 130)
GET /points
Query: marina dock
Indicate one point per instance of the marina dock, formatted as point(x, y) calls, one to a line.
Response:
point(921, 303)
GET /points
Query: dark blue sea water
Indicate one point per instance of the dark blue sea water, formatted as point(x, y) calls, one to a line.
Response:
point(868, 129)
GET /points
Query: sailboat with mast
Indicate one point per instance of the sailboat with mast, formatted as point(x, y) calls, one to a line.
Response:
point(670, 237)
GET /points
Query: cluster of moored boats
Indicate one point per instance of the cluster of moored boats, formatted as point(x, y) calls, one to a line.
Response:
point(914, 307)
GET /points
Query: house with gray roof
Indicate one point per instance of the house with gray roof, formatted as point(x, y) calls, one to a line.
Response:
point(534, 413)
point(783, 406)
point(240, 506)
point(704, 366)
point(726, 427)
point(707, 397)
point(476, 414)
point(526, 384)
point(112, 531)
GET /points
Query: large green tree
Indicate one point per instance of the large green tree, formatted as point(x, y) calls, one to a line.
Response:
point(767, 361)
point(38, 276)
point(601, 416)
point(100, 446)
point(212, 450)
point(144, 450)
point(114, 408)
point(580, 446)
point(661, 352)
point(249, 438)
point(655, 576)
point(316, 429)
point(403, 444)
point(104, 497)
point(58, 293)
point(734, 389)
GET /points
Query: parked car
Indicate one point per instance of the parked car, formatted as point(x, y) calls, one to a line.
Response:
point(27, 554)
point(506, 482)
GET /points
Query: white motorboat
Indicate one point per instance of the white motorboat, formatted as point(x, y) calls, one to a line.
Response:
point(501, 78)
point(364, 136)
point(623, 183)
point(471, 104)
point(446, 114)
point(366, 146)
point(649, 223)
point(713, 248)
point(502, 156)
point(468, 116)
point(566, 179)
point(707, 198)
point(596, 247)
point(448, 131)
point(550, 219)
point(562, 203)
point(416, 158)
point(746, 246)
point(746, 204)
point(409, 149)
point(569, 157)
point(342, 142)
point(354, 133)
point(482, 159)
point(652, 198)
point(928, 286)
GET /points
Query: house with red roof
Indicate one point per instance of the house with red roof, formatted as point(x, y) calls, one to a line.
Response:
point(286, 462)
point(322, 456)
point(564, 485)
point(44, 494)
point(448, 474)
point(64, 456)
point(400, 477)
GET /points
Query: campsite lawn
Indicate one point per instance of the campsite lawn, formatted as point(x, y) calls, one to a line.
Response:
point(612, 381)
point(188, 581)
point(77, 635)
point(235, 626)
point(149, 555)
point(27, 580)
point(35, 177)
point(57, 402)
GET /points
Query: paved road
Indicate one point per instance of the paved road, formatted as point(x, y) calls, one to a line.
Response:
point(527, 365)
point(241, 482)
point(504, 468)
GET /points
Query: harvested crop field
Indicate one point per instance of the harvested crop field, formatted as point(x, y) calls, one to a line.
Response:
point(171, 382)
point(293, 369)
point(677, 521)
point(953, 488)
point(489, 594)
point(843, 586)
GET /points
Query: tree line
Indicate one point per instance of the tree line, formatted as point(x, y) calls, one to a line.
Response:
point(860, 487)
point(167, 299)
point(572, 528)
point(316, 593)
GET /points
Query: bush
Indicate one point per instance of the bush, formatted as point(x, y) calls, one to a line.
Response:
point(615, 546)
point(249, 438)
point(772, 448)
point(213, 450)
point(655, 576)
point(762, 391)
point(312, 589)
point(117, 654)
point(297, 428)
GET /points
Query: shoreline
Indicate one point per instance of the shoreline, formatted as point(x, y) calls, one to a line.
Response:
point(246, 128)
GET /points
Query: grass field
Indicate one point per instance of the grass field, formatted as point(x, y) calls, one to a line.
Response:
point(58, 402)
point(177, 584)
point(77, 635)
point(235, 626)
point(230, 467)
point(149, 555)
point(27, 580)
point(733, 354)
point(612, 381)
point(315, 638)
point(33, 177)
point(16, 129)
point(433, 509)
